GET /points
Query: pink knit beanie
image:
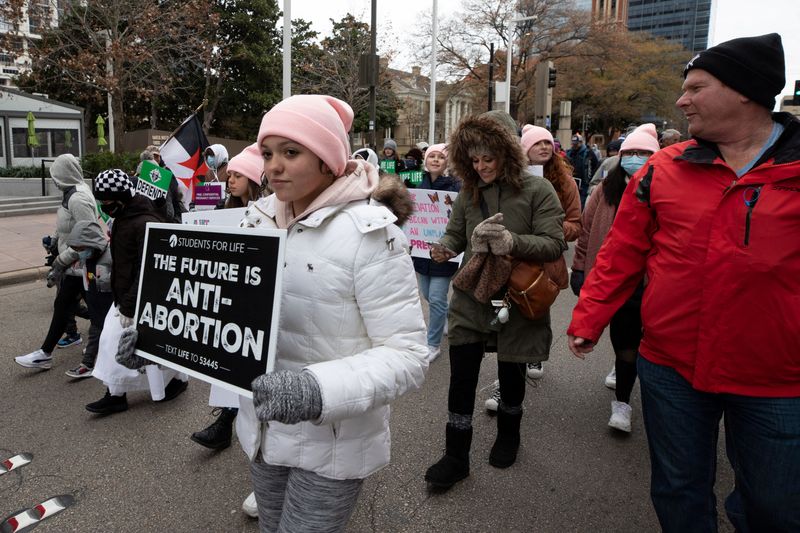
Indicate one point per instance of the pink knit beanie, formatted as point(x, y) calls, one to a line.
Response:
point(318, 122)
point(532, 135)
point(441, 148)
point(642, 138)
point(248, 163)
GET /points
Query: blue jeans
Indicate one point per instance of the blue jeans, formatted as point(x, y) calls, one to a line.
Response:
point(762, 438)
point(434, 289)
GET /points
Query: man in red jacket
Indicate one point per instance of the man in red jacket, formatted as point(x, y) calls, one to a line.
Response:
point(714, 224)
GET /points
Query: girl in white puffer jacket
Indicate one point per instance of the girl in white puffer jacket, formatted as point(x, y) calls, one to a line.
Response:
point(351, 337)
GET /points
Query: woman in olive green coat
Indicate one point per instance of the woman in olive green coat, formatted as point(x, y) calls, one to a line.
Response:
point(525, 221)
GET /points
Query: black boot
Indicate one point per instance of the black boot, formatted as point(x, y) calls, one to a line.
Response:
point(173, 389)
point(108, 404)
point(218, 435)
point(454, 466)
point(504, 450)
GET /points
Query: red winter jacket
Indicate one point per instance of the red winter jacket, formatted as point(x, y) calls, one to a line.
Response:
point(722, 305)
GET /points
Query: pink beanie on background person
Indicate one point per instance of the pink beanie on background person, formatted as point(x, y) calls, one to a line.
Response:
point(441, 148)
point(532, 135)
point(249, 163)
point(318, 122)
point(644, 137)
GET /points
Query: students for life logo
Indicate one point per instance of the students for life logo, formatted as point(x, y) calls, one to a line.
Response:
point(173, 241)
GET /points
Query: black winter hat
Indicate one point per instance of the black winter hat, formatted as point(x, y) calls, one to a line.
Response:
point(751, 66)
point(614, 145)
point(113, 184)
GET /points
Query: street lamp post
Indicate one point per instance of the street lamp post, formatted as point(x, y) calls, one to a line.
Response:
point(432, 110)
point(287, 48)
point(509, 53)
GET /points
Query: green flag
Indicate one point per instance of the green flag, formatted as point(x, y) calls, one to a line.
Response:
point(103, 216)
point(153, 180)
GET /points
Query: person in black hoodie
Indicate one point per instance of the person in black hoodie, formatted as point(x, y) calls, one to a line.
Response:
point(131, 213)
point(434, 278)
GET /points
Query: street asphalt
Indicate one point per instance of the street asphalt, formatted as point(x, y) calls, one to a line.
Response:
point(138, 471)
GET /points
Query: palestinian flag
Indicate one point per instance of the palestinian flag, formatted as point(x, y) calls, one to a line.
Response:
point(183, 153)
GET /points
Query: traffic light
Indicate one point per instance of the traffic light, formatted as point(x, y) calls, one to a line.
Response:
point(796, 93)
point(551, 78)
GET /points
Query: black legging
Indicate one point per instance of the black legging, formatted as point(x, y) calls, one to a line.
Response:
point(64, 306)
point(626, 334)
point(465, 366)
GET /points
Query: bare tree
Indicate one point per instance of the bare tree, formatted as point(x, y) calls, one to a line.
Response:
point(333, 69)
point(464, 39)
point(125, 48)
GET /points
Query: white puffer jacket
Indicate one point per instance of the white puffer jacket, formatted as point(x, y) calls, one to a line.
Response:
point(350, 313)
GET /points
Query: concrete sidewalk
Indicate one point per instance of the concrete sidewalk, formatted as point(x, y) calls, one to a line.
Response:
point(21, 252)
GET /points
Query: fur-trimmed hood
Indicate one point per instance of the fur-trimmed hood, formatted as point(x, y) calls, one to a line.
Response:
point(488, 135)
point(394, 195)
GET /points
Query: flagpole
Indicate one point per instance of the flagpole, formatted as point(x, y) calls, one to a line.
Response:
point(201, 106)
point(196, 111)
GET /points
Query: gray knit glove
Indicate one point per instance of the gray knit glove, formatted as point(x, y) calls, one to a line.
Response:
point(286, 396)
point(125, 350)
point(502, 242)
point(492, 232)
point(480, 236)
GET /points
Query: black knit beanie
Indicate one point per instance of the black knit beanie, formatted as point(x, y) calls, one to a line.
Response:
point(751, 66)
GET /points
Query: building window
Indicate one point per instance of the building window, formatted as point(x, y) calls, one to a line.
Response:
point(52, 142)
point(39, 17)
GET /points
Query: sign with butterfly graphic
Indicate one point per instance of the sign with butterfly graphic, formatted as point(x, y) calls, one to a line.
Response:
point(429, 220)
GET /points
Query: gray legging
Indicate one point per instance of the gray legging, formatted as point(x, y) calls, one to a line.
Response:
point(291, 500)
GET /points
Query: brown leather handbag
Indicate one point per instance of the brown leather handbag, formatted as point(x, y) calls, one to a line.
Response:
point(557, 271)
point(531, 289)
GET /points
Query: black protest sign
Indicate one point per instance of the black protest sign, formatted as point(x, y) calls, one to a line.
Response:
point(208, 301)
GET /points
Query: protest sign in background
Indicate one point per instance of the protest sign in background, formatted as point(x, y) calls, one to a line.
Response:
point(388, 165)
point(208, 195)
point(429, 220)
point(153, 180)
point(218, 217)
point(411, 177)
point(209, 301)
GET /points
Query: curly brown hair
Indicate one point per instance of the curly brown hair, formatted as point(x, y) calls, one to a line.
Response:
point(558, 172)
point(484, 134)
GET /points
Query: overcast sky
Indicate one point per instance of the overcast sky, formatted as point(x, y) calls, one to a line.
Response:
point(396, 18)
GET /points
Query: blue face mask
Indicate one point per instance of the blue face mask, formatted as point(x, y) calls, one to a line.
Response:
point(632, 163)
point(83, 255)
point(211, 162)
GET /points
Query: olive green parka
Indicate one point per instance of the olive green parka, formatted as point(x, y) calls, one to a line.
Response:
point(533, 215)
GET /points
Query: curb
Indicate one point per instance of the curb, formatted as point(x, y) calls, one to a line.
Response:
point(23, 275)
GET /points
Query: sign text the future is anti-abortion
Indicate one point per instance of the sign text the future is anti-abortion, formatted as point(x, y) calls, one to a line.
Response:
point(208, 301)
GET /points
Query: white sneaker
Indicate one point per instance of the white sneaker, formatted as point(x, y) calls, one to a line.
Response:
point(37, 359)
point(535, 370)
point(249, 506)
point(433, 353)
point(611, 378)
point(494, 400)
point(620, 416)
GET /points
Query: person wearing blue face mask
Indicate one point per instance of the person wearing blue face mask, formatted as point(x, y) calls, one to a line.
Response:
point(601, 208)
point(94, 260)
point(216, 157)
